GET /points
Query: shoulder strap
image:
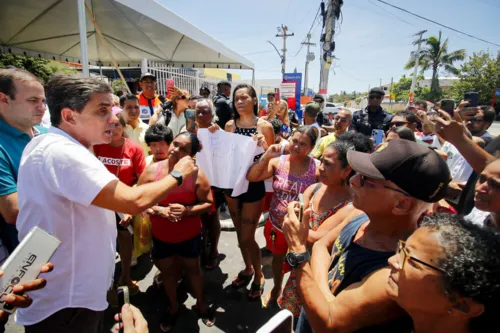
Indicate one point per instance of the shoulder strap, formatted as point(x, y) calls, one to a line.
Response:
point(316, 188)
point(159, 167)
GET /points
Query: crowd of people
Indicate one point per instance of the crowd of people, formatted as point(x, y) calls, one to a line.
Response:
point(364, 230)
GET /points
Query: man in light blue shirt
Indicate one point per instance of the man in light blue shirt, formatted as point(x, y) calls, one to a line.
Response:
point(22, 106)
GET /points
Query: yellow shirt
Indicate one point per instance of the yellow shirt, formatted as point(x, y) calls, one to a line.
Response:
point(137, 135)
point(323, 144)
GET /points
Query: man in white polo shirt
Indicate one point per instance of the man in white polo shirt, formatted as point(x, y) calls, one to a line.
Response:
point(65, 190)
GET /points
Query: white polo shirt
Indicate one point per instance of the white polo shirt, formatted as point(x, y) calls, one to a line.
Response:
point(177, 123)
point(58, 180)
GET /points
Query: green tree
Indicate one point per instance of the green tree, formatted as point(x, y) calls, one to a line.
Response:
point(481, 73)
point(435, 56)
point(402, 88)
point(39, 67)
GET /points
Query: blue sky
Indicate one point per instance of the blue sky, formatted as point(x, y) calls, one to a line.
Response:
point(374, 41)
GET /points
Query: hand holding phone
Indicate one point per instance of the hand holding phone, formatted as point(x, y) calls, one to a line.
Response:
point(123, 298)
point(472, 98)
point(190, 119)
point(378, 136)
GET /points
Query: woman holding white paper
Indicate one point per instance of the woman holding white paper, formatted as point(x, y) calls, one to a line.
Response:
point(246, 208)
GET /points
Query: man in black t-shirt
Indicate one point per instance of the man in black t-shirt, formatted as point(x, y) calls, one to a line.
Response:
point(373, 116)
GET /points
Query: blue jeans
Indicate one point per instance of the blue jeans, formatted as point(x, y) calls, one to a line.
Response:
point(303, 325)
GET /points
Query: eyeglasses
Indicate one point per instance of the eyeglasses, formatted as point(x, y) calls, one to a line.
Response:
point(365, 179)
point(182, 97)
point(398, 123)
point(375, 97)
point(402, 250)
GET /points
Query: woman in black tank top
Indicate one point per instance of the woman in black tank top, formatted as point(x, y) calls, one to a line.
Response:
point(246, 209)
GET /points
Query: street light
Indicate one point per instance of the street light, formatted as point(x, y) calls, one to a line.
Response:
point(279, 54)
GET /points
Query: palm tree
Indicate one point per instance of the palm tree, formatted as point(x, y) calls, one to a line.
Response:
point(434, 55)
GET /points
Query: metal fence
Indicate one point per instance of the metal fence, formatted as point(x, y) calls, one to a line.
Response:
point(184, 78)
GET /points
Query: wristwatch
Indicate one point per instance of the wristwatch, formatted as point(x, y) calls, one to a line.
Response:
point(295, 259)
point(178, 176)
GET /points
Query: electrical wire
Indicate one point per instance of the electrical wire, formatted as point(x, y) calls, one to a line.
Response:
point(393, 15)
point(310, 29)
point(437, 23)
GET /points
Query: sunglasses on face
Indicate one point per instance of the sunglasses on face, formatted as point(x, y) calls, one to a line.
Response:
point(404, 255)
point(375, 97)
point(398, 123)
point(367, 180)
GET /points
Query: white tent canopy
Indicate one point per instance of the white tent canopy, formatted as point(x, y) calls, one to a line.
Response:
point(134, 29)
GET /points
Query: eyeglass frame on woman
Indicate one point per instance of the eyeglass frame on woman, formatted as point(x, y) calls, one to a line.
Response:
point(365, 179)
point(406, 255)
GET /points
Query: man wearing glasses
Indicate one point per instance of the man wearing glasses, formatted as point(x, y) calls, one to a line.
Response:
point(342, 122)
point(373, 116)
point(344, 290)
point(148, 99)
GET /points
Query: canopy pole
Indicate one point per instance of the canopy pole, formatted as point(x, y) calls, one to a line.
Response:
point(253, 77)
point(83, 38)
point(105, 44)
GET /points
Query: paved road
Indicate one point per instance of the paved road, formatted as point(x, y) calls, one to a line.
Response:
point(234, 312)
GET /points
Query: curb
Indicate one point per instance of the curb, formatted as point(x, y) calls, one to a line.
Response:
point(227, 225)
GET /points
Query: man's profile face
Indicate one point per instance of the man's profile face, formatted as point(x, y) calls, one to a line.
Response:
point(28, 106)
point(476, 124)
point(96, 122)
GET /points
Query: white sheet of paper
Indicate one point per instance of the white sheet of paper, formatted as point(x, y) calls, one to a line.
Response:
point(225, 159)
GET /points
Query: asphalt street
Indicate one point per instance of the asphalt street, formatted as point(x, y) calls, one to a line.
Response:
point(234, 312)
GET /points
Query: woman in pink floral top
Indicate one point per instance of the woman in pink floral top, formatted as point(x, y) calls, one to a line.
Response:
point(292, 175)
point(327, 204)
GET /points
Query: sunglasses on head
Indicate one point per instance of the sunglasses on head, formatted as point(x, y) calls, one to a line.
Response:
point(375, 97)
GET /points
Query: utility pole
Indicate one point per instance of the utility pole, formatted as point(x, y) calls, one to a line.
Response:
point(283, 29)
point(309, 58)
point(330, 15)
point(417, 57)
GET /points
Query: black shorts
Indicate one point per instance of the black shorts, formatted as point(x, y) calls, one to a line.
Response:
point(190, 248)
point(256, 191)
point(219, 197)
point(118, 226)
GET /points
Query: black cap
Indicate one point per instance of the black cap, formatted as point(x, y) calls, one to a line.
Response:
point(377, 91)
point(223, 83)
point(416, 169)
point(318, 97)
point(147, 74)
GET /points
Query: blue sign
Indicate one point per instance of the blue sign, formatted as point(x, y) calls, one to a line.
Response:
point(497, 92)
point(297, 78)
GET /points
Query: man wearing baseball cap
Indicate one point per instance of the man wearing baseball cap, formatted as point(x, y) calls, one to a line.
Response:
point(148, 99)
point(372, 117)
point(344, 290)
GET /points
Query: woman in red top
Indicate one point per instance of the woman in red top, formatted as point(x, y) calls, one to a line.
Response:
point(176, 227)
point(125, 159)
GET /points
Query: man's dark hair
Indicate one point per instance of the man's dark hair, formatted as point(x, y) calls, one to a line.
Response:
point(404, 133)
point(360, 142)
point(195, 98)
point(223, 84)
point(276, 125)
point(488, 113)
point(309, 131)
point(73, 92)
point(471, 264)
point(127, 97)
point(195, 142)
point(8, 78)
point(158, 133)
point(271, 94)
point(204, 89)
point(251, 92)
point(350, 141)
point(409, 116)
point(422, 104)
